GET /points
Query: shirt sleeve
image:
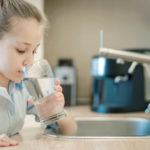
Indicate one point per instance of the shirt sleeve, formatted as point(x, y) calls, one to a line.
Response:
point(4, 117)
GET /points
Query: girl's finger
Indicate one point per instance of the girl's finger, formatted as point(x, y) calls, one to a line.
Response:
point(6, 139)
point(57, 81)
point(4, 144)
point(60, 98)
point(30, 101)
point(8, 142)
point(13, 143)
point(58, 88)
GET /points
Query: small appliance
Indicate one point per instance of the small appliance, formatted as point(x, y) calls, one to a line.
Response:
point(114, 89)
point(66, 72)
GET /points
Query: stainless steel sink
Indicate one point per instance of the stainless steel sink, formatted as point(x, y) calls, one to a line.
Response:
point(108, 127)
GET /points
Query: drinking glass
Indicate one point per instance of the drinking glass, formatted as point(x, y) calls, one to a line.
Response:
point(40, 82)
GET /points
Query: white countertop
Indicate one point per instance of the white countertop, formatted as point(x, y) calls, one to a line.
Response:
point(31, 138)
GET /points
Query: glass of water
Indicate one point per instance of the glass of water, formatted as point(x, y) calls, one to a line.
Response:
point(39, 81)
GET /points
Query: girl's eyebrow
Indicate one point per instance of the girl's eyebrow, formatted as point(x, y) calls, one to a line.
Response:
point(31, 44)
point(25, 43)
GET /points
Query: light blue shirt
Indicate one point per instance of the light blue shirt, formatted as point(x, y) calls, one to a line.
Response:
point(13, 108)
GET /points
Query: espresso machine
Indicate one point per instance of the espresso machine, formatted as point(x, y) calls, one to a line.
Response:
point(117, 85)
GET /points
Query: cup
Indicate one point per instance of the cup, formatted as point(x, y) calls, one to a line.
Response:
point(39, 81)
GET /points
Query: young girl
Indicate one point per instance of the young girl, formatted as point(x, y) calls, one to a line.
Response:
point(21, 28)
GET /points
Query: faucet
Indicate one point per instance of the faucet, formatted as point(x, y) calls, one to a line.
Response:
point(135, 58)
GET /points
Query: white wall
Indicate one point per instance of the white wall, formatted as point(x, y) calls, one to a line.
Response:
point(75, 26)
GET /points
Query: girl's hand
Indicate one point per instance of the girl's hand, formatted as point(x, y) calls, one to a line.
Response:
point(6, 141)
point(59, 95)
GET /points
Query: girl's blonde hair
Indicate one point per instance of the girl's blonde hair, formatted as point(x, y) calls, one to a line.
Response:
point(18, 8)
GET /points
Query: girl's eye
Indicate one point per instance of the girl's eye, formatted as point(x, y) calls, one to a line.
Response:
point(20, 51)
point(35, 52)
point(23, 51)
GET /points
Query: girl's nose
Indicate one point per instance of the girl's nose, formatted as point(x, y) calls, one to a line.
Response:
point(28, 61)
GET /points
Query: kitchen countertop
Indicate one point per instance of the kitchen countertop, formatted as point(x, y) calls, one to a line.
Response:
point(31, 138)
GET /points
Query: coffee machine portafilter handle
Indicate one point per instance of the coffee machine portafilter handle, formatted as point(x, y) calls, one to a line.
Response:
point(132, 67)
point(130, 71)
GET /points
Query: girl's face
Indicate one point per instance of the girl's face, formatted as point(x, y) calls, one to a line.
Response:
point(17, 48)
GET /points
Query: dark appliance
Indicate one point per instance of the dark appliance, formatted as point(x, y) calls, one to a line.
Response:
point(66, 72)
point(114, 89)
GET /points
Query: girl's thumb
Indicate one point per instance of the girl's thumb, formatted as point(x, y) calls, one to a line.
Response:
point(30, 101)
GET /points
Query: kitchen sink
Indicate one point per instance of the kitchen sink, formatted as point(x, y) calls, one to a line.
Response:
point(108, 127)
